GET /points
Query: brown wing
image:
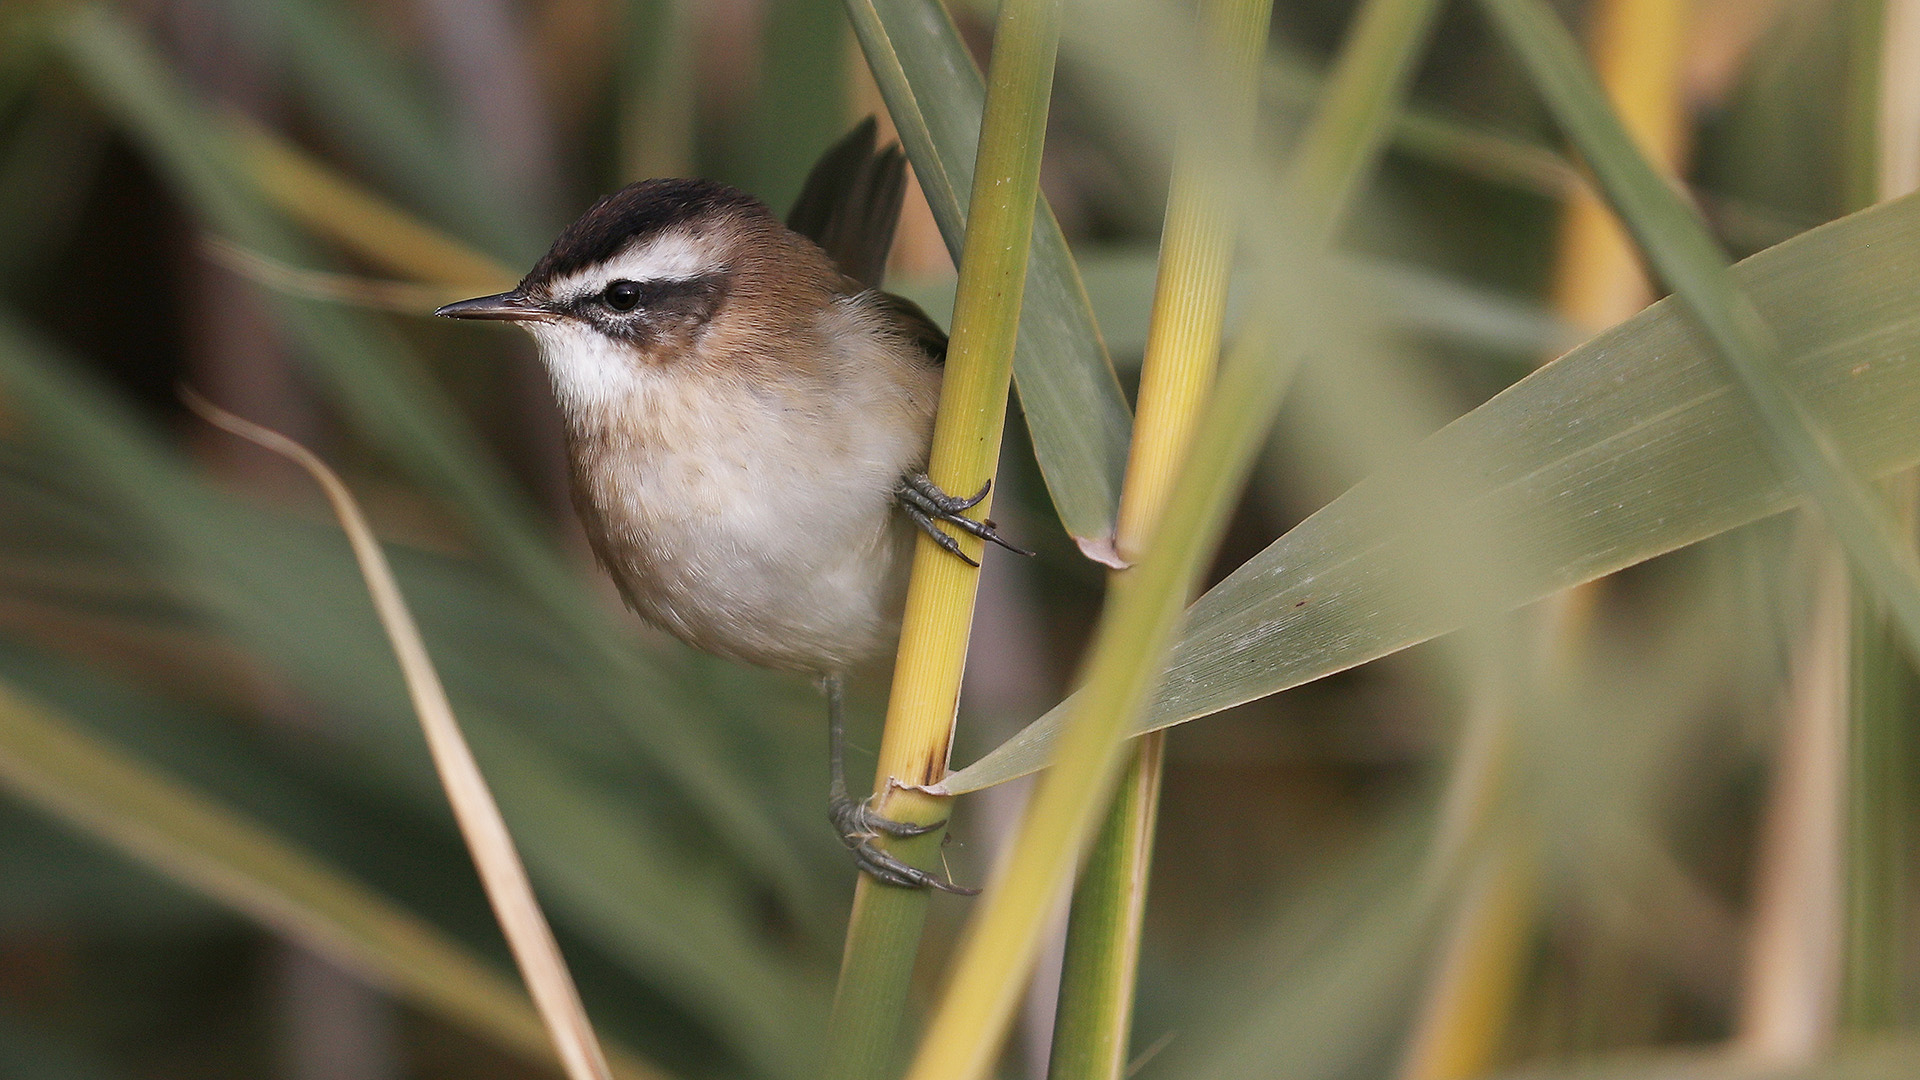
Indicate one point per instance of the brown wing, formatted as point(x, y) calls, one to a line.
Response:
point(851, 201)
point(913, 323)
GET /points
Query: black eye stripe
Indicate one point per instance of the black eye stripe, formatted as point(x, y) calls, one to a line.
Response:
point(627, 295)
point(642, 310)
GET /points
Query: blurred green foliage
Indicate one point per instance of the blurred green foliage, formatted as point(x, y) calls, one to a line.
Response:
point(175, 597)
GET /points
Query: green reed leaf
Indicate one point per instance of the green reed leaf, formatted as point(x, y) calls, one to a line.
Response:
point(1632, 445)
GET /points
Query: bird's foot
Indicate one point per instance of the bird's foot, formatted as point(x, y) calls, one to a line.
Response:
point(926, 504)
point(859, 827)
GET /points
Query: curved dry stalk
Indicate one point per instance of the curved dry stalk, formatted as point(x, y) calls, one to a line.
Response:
point(509, 891)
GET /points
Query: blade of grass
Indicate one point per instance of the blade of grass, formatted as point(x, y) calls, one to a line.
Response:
point(103, 792)
point(1076, 413)
point(1628, 447)
point(882, 938)
point(1684, 253)
point(401, 297)
point(1421, 301)
point(515, 907)
point(1292, 85)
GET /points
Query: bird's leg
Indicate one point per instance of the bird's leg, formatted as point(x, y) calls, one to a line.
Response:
point(855, 819)
point(925, 504)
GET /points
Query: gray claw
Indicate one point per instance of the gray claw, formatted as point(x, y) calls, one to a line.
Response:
point(854, 818)
point(859, 827)
point(947, 543)
point(925, 504)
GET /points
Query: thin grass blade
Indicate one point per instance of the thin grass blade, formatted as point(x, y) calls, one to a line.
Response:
point(514, 905)
point(330, 205)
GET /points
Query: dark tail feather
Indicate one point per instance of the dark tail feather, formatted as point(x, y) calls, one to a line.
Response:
point(851, 201)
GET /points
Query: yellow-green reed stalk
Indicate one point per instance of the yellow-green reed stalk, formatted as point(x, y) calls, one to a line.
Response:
point(997, 951)
point(1095, 1013)
point(883, 936)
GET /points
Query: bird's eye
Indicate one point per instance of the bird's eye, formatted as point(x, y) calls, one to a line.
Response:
point(622, 295)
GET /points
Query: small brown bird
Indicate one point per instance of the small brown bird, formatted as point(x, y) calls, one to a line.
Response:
point(748, 419)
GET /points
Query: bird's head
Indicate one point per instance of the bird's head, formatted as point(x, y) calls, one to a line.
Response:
point(653, 275)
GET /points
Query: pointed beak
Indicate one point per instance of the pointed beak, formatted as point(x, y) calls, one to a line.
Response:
point(510, 306)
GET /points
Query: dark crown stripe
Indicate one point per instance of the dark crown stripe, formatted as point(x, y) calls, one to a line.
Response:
point(643, 209)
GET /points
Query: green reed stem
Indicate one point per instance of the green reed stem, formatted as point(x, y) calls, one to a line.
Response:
point(882, 938)
point(1095, 1014)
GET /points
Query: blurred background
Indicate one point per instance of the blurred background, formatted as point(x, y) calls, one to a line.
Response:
point(265, 198)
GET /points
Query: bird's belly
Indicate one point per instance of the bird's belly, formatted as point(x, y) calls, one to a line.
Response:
point(752, 555)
